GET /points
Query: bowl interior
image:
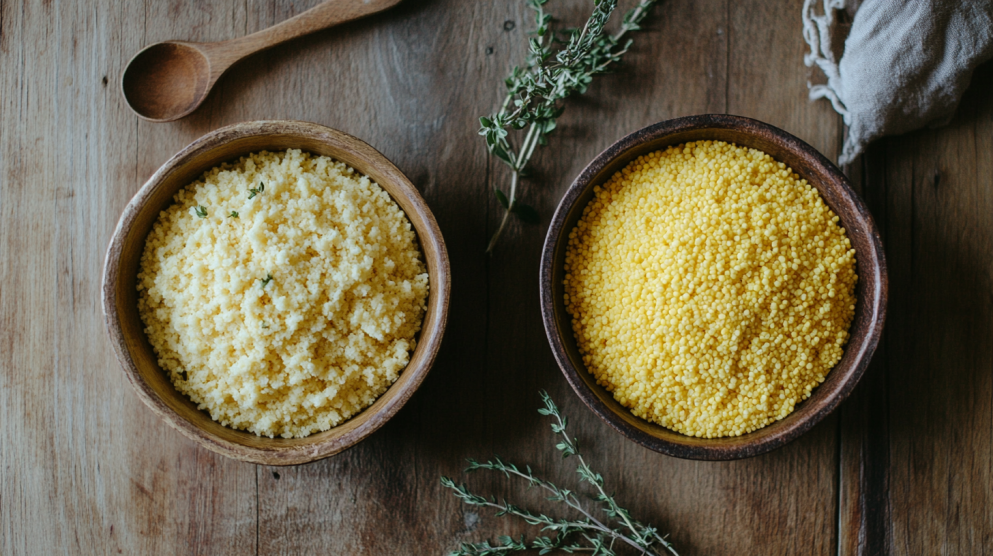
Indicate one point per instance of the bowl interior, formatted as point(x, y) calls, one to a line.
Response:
point(834, 188)
point(127, 329)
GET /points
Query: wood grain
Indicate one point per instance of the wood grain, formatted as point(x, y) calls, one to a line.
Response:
point(864, 452)
point(941, 400)
point(917, 433)
point(85, 468)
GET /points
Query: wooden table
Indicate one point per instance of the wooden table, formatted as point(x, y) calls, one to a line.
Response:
point(905, 466)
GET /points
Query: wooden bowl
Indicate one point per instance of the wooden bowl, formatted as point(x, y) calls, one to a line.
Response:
point(120, 297)
point(871, 291)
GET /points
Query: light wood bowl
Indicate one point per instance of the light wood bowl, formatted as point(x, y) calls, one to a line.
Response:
point(871, 291)
point(120, 297)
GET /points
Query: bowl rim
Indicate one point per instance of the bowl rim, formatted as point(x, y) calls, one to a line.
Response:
point(726, 448)
point(429, 339)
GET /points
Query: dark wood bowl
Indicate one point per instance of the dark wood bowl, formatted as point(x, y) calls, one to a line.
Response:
point(120, 297)
point(871, 291)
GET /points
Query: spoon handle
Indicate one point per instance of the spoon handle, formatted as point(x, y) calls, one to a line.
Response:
point(322, 16)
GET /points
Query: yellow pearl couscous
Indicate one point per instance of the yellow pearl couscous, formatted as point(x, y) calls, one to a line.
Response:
point(711, 289)
point(282, 292)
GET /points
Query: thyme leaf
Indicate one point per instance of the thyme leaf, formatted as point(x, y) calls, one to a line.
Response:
point(265, 281)
point(256, 190)
point(234, 214)
point(201, 211)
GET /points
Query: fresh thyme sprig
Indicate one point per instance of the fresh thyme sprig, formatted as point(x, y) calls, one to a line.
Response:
point(201, 211)
point(585, 534)
point(559, 63)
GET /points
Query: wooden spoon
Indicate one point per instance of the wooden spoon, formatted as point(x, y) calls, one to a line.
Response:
point(168, 80)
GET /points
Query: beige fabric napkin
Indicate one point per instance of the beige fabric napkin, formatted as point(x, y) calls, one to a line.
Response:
point(905, 65)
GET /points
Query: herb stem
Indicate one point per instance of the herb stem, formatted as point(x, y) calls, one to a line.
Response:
point(579, 534)
point(515, 177)
point(527, 149)
point(594, 479)
point(530, 517)
point(559, 63)
point(571, 501)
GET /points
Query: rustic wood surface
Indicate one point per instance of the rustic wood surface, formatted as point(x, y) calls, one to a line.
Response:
point(904, 467)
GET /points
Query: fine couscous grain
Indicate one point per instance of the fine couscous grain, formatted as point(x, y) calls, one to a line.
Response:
point(282, 292)
point(711, 289)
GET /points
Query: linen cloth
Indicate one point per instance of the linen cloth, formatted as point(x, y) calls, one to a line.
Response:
point(905, 65)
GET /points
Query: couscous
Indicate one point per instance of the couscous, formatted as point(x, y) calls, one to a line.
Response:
point(711, 288)
point(282, 293)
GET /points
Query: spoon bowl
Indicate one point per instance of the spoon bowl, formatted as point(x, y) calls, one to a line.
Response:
point(166, 81)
